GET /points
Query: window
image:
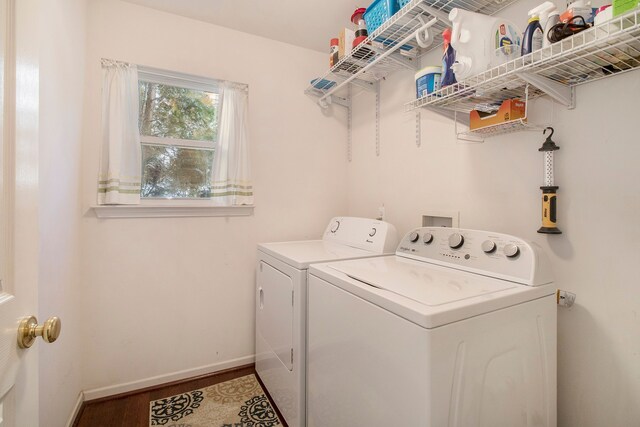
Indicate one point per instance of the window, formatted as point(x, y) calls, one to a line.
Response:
point(176, 141)
point(178, 130)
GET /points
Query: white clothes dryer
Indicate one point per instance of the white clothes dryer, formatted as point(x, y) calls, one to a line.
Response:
point(281, 302)
point(458, 329)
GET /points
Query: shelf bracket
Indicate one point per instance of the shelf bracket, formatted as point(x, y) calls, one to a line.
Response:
point(418, 129)
point(562, 93)
point(462, 137)
point(451, 115)
point(334, 99)
point(349, 127)
point(378, 119)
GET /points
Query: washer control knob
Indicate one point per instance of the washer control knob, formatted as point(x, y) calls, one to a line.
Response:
point(489, 246)
point(511, 250)
point(414, 236)
point(335, 226)
point(427, 238)
point(456, 240)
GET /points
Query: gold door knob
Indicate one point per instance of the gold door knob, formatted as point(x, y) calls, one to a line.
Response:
point(28, 330)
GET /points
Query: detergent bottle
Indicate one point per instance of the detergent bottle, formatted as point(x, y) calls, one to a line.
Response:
point(532, 37)
point(448, 58)
point(548, 14)
point(480, 41)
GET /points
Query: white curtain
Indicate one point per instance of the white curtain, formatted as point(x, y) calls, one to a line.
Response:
point(120, 161)
point(231, 178)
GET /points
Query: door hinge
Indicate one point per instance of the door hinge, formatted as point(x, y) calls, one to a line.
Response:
point(292, 356)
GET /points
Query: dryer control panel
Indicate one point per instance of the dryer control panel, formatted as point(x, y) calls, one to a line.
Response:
point(482, 252)
point(364, 233)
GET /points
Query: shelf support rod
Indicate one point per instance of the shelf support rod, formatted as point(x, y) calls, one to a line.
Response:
point(384, 55)
point(398, 58)
point(561, 93)
point(437, 13)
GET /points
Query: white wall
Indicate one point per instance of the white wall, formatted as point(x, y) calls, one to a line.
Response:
point(62, 67)
point(165, 295)
point(495, 186)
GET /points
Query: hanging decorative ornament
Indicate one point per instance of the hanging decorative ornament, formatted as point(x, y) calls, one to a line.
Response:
point(549, 198)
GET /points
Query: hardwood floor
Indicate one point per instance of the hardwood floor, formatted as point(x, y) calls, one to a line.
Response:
point(132, 409)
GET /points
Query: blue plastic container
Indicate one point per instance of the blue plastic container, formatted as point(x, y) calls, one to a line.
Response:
point(378, 12)
point(427, 80)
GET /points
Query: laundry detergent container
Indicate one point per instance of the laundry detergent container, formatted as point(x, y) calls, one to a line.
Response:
point(481, 41)
point(428, 80)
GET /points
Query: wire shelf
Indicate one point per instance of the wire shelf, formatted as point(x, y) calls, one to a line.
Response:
point(392, 47)
point(500, 129)
point(604, 50)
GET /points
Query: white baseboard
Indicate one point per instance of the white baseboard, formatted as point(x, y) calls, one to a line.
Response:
point(162, 379)
point(76, 409)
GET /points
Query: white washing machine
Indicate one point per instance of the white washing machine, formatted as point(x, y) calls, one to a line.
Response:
point(457, 329)
point(281, 302)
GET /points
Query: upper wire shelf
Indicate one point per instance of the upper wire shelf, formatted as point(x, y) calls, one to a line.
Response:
point(604, 50)
point(393, 46)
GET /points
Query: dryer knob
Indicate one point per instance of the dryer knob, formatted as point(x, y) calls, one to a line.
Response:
point(413, 237)
point(427, 238)
point(335, 226)
point(511, 250)
point(456, 240)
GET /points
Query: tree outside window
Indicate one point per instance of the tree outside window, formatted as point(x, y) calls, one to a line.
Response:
point(178, 130)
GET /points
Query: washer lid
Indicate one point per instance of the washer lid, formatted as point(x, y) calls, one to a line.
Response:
point(301, 254)
point(426, 294)
point(427, 284)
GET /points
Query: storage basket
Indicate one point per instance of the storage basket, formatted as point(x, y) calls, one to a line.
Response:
point(378, 12)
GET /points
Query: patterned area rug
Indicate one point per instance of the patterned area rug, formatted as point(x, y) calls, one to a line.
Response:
point(240, 402)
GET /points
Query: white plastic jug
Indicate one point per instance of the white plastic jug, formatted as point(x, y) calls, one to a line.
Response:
point(480, 41)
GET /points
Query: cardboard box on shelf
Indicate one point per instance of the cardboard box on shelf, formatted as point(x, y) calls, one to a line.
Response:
point(511, 109)
point(345, 42)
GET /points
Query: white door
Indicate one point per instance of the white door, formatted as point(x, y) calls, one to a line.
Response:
point(18, 209)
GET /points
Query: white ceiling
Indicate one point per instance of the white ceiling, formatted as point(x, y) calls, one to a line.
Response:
point(306, 23)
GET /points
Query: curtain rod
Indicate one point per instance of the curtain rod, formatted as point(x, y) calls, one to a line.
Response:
point(172, 74)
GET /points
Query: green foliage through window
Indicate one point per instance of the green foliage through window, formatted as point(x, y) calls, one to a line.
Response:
point(174, 171)
point(176, 112)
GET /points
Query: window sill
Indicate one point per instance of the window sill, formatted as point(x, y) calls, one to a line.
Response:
point(165, 211)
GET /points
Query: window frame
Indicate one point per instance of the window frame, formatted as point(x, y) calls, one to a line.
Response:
point(160, 207)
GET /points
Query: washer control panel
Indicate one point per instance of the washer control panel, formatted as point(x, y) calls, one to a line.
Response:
point(483, 252)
